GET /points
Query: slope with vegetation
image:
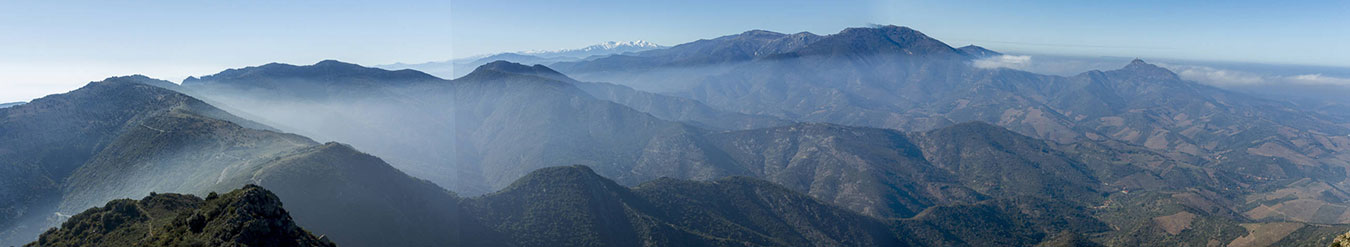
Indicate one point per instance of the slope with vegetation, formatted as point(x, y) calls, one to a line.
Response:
point(251, 216)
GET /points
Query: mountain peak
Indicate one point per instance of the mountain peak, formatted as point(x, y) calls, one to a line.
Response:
point(332, 63)
point(891, 30)
point(1141, 68)
point(562, 173)
point(507, 67)
point(137, 78)
point(874, 40)
point(327, 71)
point(977, 51)
point(617, 44)
point(563, 178)
point(1139, 64)
point(888, 28)
point(761, 32)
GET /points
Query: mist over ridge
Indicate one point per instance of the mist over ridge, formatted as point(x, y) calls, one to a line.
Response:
point(843, 78)
point(872, 136)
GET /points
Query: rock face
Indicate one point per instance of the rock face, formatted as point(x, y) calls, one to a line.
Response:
point(1341, 241)
point(251, 216)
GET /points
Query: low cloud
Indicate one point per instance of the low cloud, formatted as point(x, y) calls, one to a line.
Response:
point(1215, 76)
point(1319, 79)
point(1226, 77)
point(1003, 61)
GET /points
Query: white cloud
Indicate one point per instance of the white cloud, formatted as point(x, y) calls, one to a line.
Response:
point(1225, 77)
point(1319, 79)
point(1003, 61)
point(1215, 76)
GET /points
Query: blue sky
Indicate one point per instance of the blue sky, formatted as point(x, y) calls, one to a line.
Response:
point(48, 47)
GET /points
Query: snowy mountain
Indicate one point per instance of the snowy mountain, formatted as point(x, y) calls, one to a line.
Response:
point(607, 48)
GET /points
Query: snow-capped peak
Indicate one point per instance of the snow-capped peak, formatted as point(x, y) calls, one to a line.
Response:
point(617, 44)
point(611, 47)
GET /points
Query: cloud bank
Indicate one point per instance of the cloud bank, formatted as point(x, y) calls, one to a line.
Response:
point(1319, 79)
point(1215, 76)
point(1003, 61)
point(1226, 77)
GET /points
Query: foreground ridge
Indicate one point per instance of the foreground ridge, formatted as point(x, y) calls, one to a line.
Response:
point(250, 216)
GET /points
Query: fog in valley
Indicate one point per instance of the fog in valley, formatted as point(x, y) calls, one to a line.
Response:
point(873, 136)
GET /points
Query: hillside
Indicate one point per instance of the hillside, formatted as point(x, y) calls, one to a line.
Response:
point(123, 137)
point(575, 206)
point(47, 141)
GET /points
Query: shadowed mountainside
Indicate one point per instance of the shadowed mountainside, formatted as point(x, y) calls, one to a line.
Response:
point(574, 205)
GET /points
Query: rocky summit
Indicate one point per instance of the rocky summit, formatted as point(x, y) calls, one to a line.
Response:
point(250, 216)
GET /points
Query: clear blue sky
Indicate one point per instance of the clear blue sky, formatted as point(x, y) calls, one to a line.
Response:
point(48, 47)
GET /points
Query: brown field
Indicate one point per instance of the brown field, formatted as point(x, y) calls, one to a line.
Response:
point(1264, 234)
point(1175, 223)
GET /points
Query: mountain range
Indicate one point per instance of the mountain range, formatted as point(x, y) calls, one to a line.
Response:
point(896, 77)
point(877, 136)
point(459, 67)
point(937, 171)
point(356, 199)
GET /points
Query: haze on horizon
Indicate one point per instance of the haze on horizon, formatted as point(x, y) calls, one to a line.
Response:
point(56, 47)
